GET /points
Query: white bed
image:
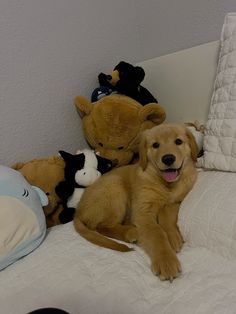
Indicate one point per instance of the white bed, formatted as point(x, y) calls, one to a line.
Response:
point(68, 272)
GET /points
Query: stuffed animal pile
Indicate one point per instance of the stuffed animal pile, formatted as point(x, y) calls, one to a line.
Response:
point(81, 170)
point(59, 172)
point(112, 126)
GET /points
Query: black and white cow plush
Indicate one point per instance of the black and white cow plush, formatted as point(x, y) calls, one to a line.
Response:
point(81, 170)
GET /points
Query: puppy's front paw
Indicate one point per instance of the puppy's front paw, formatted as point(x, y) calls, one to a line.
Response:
point(166, 266)
point(175, 238)
point(132, 235)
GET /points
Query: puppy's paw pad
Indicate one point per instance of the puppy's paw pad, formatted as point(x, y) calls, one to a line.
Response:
point(166, 268)
point(132, 235)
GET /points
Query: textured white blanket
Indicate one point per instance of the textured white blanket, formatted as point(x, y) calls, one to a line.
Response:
point(68, 272)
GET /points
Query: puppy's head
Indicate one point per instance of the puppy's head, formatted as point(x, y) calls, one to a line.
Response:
point(168, 148)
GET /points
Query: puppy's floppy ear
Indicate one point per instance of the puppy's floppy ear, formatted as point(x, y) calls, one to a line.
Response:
point(143, 151)
point(192, 144)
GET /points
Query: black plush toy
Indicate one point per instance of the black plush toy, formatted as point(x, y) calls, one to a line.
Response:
point(81, 170)
point(125, 79)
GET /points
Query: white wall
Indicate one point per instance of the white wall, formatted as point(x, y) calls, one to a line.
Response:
point(53, 50)
point(166, 26)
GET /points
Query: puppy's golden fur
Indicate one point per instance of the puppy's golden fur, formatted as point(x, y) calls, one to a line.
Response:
point(141, 201)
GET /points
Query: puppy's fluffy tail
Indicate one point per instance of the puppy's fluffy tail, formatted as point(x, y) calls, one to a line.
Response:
point(17, 166)
point(97, 238)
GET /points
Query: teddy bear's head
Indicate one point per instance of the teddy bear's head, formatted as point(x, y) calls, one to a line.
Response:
point(128, 72)
point(113, 124)
point(125, 79)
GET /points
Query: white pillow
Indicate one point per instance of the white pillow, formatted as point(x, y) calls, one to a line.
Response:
point(220, 133)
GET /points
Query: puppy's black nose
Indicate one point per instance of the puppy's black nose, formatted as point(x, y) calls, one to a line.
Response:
point(168, 159)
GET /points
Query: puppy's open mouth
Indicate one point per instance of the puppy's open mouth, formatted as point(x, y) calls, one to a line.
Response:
point(170, 174)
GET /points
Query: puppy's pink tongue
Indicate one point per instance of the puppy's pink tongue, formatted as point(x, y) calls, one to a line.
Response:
point(169, 175)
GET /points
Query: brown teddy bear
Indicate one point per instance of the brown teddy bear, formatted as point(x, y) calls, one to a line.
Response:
point(112, 125)
point(45, 173)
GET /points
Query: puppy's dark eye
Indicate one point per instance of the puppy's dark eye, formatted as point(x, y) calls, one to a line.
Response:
point(178, 141)
point(121, 147)
point(155, 145)
point(100, 144)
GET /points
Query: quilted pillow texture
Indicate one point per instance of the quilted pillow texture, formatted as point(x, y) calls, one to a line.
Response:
point(22, 221)
point(220, 134)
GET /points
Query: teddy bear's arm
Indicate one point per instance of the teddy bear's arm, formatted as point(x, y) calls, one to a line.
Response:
point(145, 96)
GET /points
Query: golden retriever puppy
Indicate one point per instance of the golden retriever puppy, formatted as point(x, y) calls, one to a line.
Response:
point(141, 201)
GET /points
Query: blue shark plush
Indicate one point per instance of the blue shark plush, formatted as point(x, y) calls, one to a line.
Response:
point(22, 221)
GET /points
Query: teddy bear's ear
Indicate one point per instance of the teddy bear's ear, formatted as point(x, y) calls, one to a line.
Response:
point(139, 74)
point(152, 112)
point(83, 106)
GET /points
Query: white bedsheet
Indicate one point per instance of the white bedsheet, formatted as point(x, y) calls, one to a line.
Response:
point(68, 272)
